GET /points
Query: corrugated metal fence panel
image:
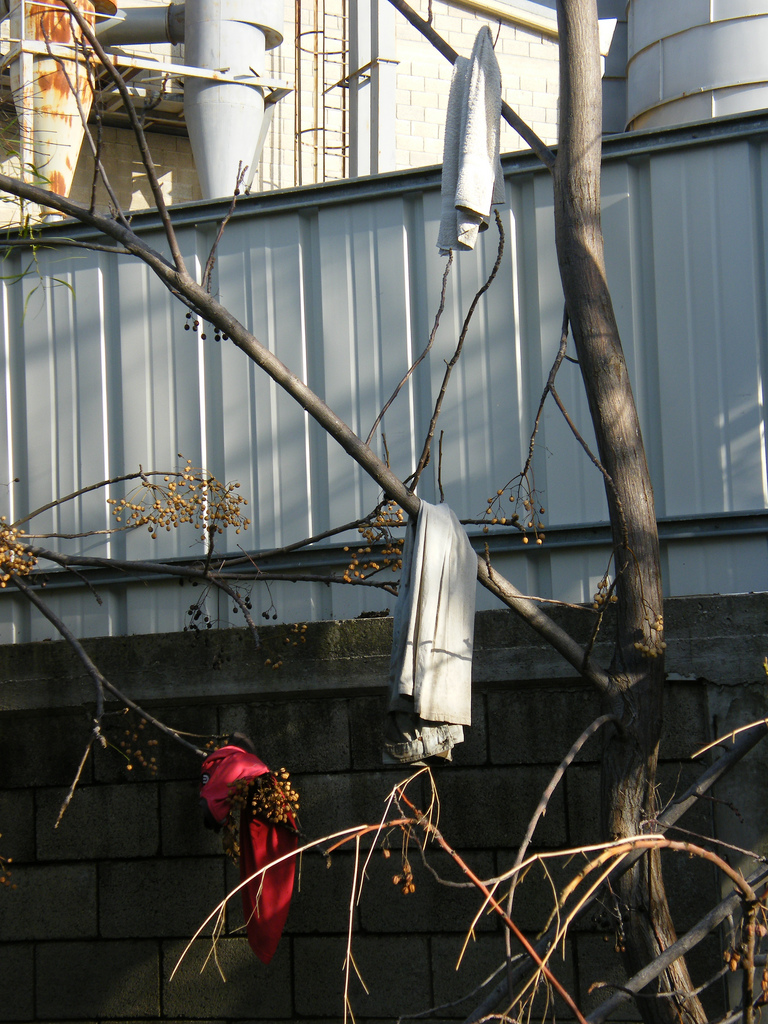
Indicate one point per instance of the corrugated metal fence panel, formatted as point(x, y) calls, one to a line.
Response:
point(100, 376)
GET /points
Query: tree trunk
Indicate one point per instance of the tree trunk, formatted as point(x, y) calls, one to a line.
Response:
point(636, 675)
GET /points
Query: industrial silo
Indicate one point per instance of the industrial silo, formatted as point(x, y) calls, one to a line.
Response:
point(689, 60)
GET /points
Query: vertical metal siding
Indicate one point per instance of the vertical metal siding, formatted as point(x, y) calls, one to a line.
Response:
point(100, 376)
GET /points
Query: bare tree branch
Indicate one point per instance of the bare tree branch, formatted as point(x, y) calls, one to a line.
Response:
point(666, 819)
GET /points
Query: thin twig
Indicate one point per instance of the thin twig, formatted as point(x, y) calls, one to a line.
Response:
point(665, 820)
point(263, 556)
point(217, 581)
point(551, 786)
point(683, 945)
point(139, 475)
point(211, 261)
point(53, 243)
point(596, 986)
point(423, 355)
point(76, 780)
point(547, 388)
point(99, 680)
point(440, 468)
point(763, 722)
point(596, 462)
point(748, 960)
point(199, 573)
point(455, 358)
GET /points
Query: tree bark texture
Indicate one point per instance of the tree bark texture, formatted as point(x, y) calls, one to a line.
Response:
point(635, 693)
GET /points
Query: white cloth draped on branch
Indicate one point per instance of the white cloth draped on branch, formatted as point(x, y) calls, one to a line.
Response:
point(430, 677)
point(472, 178)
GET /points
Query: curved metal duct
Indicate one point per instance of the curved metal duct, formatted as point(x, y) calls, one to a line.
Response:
point(695, 60)
point(223, 118)
point(133, 26)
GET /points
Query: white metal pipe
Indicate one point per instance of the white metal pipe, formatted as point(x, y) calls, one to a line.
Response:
point(136, 25)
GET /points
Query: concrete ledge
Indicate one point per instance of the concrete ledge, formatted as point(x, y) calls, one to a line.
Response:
point(721, 639)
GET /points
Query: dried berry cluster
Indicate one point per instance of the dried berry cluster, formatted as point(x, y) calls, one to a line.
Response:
point(377, 532)
point(274, 797)
point(296, 635)
point(405, 879)
point(652, 645)
point(15, 558)
point(132, 737)
point(5, 872)
point(604, 595)
point(494, 509)
point(270, 796)
point(195, 497)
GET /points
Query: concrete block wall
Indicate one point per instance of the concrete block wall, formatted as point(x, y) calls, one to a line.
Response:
point(104, 904)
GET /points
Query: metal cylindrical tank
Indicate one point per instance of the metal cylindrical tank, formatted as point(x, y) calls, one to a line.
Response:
point(689, 60)
point(224, 118)
point(52, 95)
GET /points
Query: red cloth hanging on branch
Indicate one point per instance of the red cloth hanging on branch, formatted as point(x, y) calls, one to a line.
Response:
point(267, 898)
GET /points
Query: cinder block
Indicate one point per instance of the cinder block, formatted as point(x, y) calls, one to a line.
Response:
point(366, 721)
point(396, 971)
point(101, 821)
point(182, 833)
point(582, 788)
point(330, 803)
point(425, 129)
point(92, 980)
point(409, 112)
point(312, 737)
point(416, 83)
point(481, 811)
point(544, 50)
point(51, 902)
point(433, 907)
point(17, 981)
point(17, 825)
point(158, 897)
point(686, 720)
point(539, 725)
point(43, 751)
point(511, 45)
point(321, 895)
point(598, 962)
point(435, 114)
point(252, 991)
point(453, 980)
point(480, 963)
